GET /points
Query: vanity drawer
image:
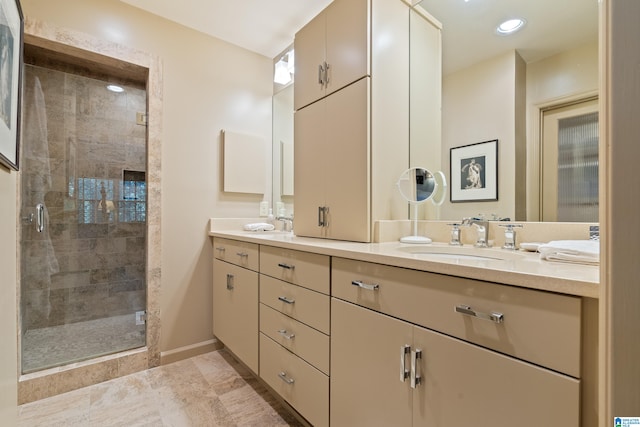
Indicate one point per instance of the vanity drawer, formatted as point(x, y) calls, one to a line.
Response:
point(541, 327)
point(308, 343)
point(300, 384)
point(239, 253)
point(301, 268)
point(305, 305)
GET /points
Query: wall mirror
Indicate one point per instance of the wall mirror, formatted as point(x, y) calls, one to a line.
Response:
point(542, 73)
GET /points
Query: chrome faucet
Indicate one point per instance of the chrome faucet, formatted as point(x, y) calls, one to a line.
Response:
point(482, 230)
point(455, 235)
point(510, 236)
point(287, 222)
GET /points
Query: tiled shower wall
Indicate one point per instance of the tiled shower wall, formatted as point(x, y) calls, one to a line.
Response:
point(78, 141)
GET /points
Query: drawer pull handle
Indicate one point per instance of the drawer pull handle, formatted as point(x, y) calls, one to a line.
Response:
point(415, 377)
point(286, 266)
point(404, 372)
point(221, 249)
point(242, 254)
point(283, 377)
point(493, 316)
point(287, 300)
point(230, 282)
point(363, 285)
point(284, 333)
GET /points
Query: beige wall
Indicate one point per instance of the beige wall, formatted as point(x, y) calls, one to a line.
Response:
point(478, 104)
point(209, 85)
point(8, 328)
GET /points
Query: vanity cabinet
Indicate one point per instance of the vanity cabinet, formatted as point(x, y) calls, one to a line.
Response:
point(295, 329)
point(331, 50)
point(331, 157)
point(456, 383)
point(351, 135)
point(483, 352)
point(235, 298)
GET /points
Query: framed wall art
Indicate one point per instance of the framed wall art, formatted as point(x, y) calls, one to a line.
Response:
point(474, 172)
point(11, 39)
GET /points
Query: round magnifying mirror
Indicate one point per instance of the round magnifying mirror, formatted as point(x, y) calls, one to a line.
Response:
point(417, 185)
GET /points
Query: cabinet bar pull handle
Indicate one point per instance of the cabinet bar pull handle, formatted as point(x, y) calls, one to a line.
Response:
point(284, 333)
point(283, 377)
point(404, 372)
point(493, 316)
point(320, 219)
point(287, 266)
point(415, 377)
point(220, 248)
point(229, 281)
point(363, 285)
point(39, 217)
point(320, 74)
point(287, 300)
point(326, 73)
point(242, 254)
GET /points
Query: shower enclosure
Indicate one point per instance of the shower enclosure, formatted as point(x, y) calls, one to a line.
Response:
point(83, 215)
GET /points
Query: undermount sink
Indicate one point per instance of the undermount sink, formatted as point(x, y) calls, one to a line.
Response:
point(460, 253)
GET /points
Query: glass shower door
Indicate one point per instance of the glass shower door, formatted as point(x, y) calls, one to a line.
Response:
point(83, 213)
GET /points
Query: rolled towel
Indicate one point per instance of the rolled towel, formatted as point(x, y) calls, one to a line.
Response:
point(571, 251)
point(259, 226)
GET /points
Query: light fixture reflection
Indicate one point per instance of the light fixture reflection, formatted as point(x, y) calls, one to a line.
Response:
point(510, 26)
point(115, 88)
point(284, 69)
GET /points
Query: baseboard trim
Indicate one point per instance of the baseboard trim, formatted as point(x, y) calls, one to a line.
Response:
point(188, 351)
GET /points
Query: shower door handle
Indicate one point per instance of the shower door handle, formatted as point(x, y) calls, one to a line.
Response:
point(39, 217)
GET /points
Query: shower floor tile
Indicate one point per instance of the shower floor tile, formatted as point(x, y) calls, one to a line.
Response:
point(207, 390)
point(60, 345)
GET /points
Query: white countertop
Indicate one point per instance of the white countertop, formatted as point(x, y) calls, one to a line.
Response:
point(518, 268)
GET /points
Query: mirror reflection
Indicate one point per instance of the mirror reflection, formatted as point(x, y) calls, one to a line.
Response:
point(501, 87)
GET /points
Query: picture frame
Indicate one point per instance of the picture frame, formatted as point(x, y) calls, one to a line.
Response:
point(11, 43)
point(474, 172)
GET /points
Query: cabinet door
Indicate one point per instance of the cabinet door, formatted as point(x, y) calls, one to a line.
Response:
point(235, 310)
point(309, 174)
point(466, 385)
point(365, 368)
point(309, 47)
point(347, 147)
point(347, 42)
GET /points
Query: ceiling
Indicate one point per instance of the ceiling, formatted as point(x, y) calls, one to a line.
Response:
point(268, 27)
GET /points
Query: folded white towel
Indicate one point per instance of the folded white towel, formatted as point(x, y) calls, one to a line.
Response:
point(259, 226)
point(572, 251)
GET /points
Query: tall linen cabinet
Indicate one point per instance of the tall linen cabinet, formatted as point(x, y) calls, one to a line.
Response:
point(351, 122)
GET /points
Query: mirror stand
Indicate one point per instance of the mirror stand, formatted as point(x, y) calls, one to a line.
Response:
point(418, 185)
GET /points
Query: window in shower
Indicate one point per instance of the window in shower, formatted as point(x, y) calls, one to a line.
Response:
point(83, 264)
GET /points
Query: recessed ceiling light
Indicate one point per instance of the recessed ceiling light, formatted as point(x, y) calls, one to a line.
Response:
point(510, 26)
point(115, 88)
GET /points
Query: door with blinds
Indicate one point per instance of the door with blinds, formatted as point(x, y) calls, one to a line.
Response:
point(569, 175)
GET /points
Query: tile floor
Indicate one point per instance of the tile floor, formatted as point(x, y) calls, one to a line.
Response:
point(207, 390)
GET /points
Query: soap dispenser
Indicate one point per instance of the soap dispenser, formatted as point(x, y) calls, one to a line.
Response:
point(270, 218)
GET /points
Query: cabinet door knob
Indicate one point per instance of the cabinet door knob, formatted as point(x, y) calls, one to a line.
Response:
point(468, 311)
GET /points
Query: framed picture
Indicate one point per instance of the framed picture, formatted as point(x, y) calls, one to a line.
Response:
point(11, 37)
point(474, 172)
